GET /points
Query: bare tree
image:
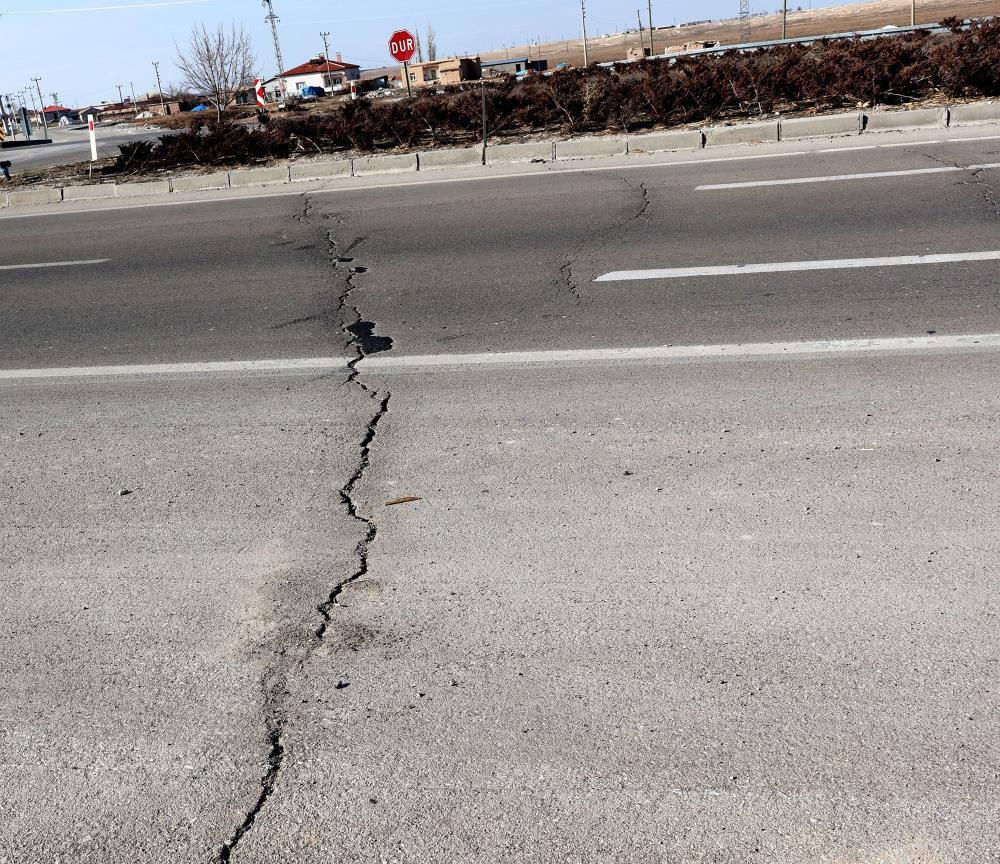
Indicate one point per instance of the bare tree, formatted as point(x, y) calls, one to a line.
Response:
point(420, 50)
point(432, 49)
point(218, 64)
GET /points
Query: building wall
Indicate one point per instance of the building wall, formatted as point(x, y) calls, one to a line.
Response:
point(454, 70)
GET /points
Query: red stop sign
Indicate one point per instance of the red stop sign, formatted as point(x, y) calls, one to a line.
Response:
point(402, 45)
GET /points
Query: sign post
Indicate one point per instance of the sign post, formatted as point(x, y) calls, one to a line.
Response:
point(258, 88)
point(402, 45)
point(93, 137)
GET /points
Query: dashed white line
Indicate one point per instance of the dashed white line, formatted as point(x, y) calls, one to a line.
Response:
point(797, 266)
point(828, 178)
point(44, 264)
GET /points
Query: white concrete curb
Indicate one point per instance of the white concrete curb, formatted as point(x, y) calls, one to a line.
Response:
point(796, 128)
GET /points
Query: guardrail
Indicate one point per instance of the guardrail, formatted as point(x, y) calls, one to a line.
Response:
point(744, 47)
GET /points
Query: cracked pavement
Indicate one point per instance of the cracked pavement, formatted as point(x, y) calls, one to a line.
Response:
point(700, 611)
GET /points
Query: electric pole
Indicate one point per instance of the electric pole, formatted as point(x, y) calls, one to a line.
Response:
point(326, 56)
point(121, 99)
point(583, 23)
point(913, 13)
point(642, 45)
point(132, 88)
point(784, 19)
point(272, 19)
point(745, 30)
point(159, 88)
point(650, 5)
point(45, 124)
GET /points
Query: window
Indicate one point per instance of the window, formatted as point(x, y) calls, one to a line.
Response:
point(431, 74)
point(413, 76)
point(299, 85)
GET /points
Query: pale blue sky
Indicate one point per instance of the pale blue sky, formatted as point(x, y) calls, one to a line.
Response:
point(82, 55)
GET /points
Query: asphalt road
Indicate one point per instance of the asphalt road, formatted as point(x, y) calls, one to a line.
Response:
point(72, 145)
point(732, 604)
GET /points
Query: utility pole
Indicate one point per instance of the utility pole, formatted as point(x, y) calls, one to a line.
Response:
point(159, 88)
point(745, 30)
point(650, 5)
point(784, 19)
point(326, 56)
point(272, 19)
point(45, 124)
point(583, 22)
point(121, 99)
point(642, 44)
point(913, 13)
point(132, 88)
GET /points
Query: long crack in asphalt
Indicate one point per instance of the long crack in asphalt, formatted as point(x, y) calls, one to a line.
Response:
point(361, 337)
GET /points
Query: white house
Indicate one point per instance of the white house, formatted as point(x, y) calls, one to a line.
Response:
point(332, 75)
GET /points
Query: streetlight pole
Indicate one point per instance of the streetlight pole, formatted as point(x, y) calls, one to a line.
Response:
point(159, 88)
point(583, 22)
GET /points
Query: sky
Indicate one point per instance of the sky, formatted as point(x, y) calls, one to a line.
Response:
point(81, 50)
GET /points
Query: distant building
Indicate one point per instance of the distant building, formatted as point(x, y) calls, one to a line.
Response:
point(438, 73)
point(55, 113)
point(513, 66)
point(332, 75)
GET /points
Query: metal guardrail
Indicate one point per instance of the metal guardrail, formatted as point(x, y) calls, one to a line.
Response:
point(745, 47)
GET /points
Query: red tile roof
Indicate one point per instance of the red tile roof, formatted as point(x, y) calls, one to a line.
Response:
point(53, 108)
point(319, 65)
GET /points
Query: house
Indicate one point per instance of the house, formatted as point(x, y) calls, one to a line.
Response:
point(332, 75)
point(55, 113)
point(438, 73)
point(513, 66)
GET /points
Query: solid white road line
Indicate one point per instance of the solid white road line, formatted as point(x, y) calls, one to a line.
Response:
point(44, 264)
point(796, 266)
point(829, 178)
point(387, 362)
point(310, 364)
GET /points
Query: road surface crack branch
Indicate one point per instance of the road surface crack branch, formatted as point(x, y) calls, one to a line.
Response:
point(361, 337)
point(979, 179)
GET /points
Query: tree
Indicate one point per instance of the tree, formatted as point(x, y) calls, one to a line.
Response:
point(218, 64)
point(432, 50)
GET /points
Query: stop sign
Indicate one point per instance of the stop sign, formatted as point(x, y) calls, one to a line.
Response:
point(402, 45)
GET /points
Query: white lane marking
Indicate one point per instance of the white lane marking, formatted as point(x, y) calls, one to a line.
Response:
point(387, 362)
point(45, 264)
point(984, 166)
point(829, 178)
point(301, 365)
point(551, 169)
point(796, 266)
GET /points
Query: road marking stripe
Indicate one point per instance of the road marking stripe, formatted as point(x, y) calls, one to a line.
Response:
point(302, 365)
point(830, 178)
point(796, 266)
point(45, 264)
point(387, 362)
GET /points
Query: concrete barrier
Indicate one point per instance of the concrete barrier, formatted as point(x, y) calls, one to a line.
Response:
point(590, 148)
point(899, 121)
point(88, 192)
point(658, 142)
point(750, 133)
point(259, 176)
point(450, 158)
point(218, 180)
point(976, 112)
point(394, 164)
point(137, 190)
point(323, 170)
point(34, 196)
point(820, 127)
point(533, 151)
